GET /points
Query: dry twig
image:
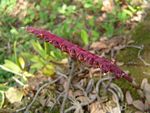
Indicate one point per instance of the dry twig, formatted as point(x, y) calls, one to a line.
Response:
point(71, 75)
point(139, 53)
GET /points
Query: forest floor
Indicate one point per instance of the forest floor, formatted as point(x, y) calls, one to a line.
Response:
point(36, 77)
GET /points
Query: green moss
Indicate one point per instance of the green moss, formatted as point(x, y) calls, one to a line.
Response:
point(128, 55)
point(126, 86)
point(141, 35)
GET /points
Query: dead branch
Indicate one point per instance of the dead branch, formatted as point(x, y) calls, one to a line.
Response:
point(71, 75)
point(139, 53)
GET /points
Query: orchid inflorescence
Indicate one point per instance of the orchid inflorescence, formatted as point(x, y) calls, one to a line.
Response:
point(79, 53)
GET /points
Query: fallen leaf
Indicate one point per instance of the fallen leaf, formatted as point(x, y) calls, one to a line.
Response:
point(42, 100)
point(99, 45)
point(92, 96)
point(78, 93)
point(49, 103)
point(14, 95)
point(78, 110)
point(147, 105)
point(83, 99)
point(141, 93)
point(138, 112)
point(46, 102)
point(139, 105)
point(96, 107)
point(108, 5)
point(64, 61)
point(129, 98)
point(143, 83)
point(120, 63)
point(146, 90)
point(34, 82)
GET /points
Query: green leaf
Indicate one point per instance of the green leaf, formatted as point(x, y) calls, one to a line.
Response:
point(14, 31)
point(27, 74)
point(128, 12)
point(62, 10)
point(21, 62)
point(67, 10)
point(35, 58)
point(84, 37)
point(2, 98)
point(37, 65)
point(38, 48)
point(95, 35)
point(49, 70)
point(122, 16)
point(14, 95)
point(109, 29)
point(38, 59)
point(7, 5)
point(12, 66)
point(88, 5)
point(131, 8)
point(3, 87)
point(45, 3)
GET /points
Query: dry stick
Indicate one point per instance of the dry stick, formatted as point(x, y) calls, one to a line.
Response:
point(68, 86)
point(21, 109)
point(81, 104)
point(140, 57)
point(146, 73)
point(109, 88)
point(139, 53)
point(99, 83)
point(115, 96)
point(43, 86)
point(82, 89)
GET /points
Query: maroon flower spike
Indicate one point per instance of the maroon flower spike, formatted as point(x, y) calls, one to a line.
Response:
point(82, 55)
